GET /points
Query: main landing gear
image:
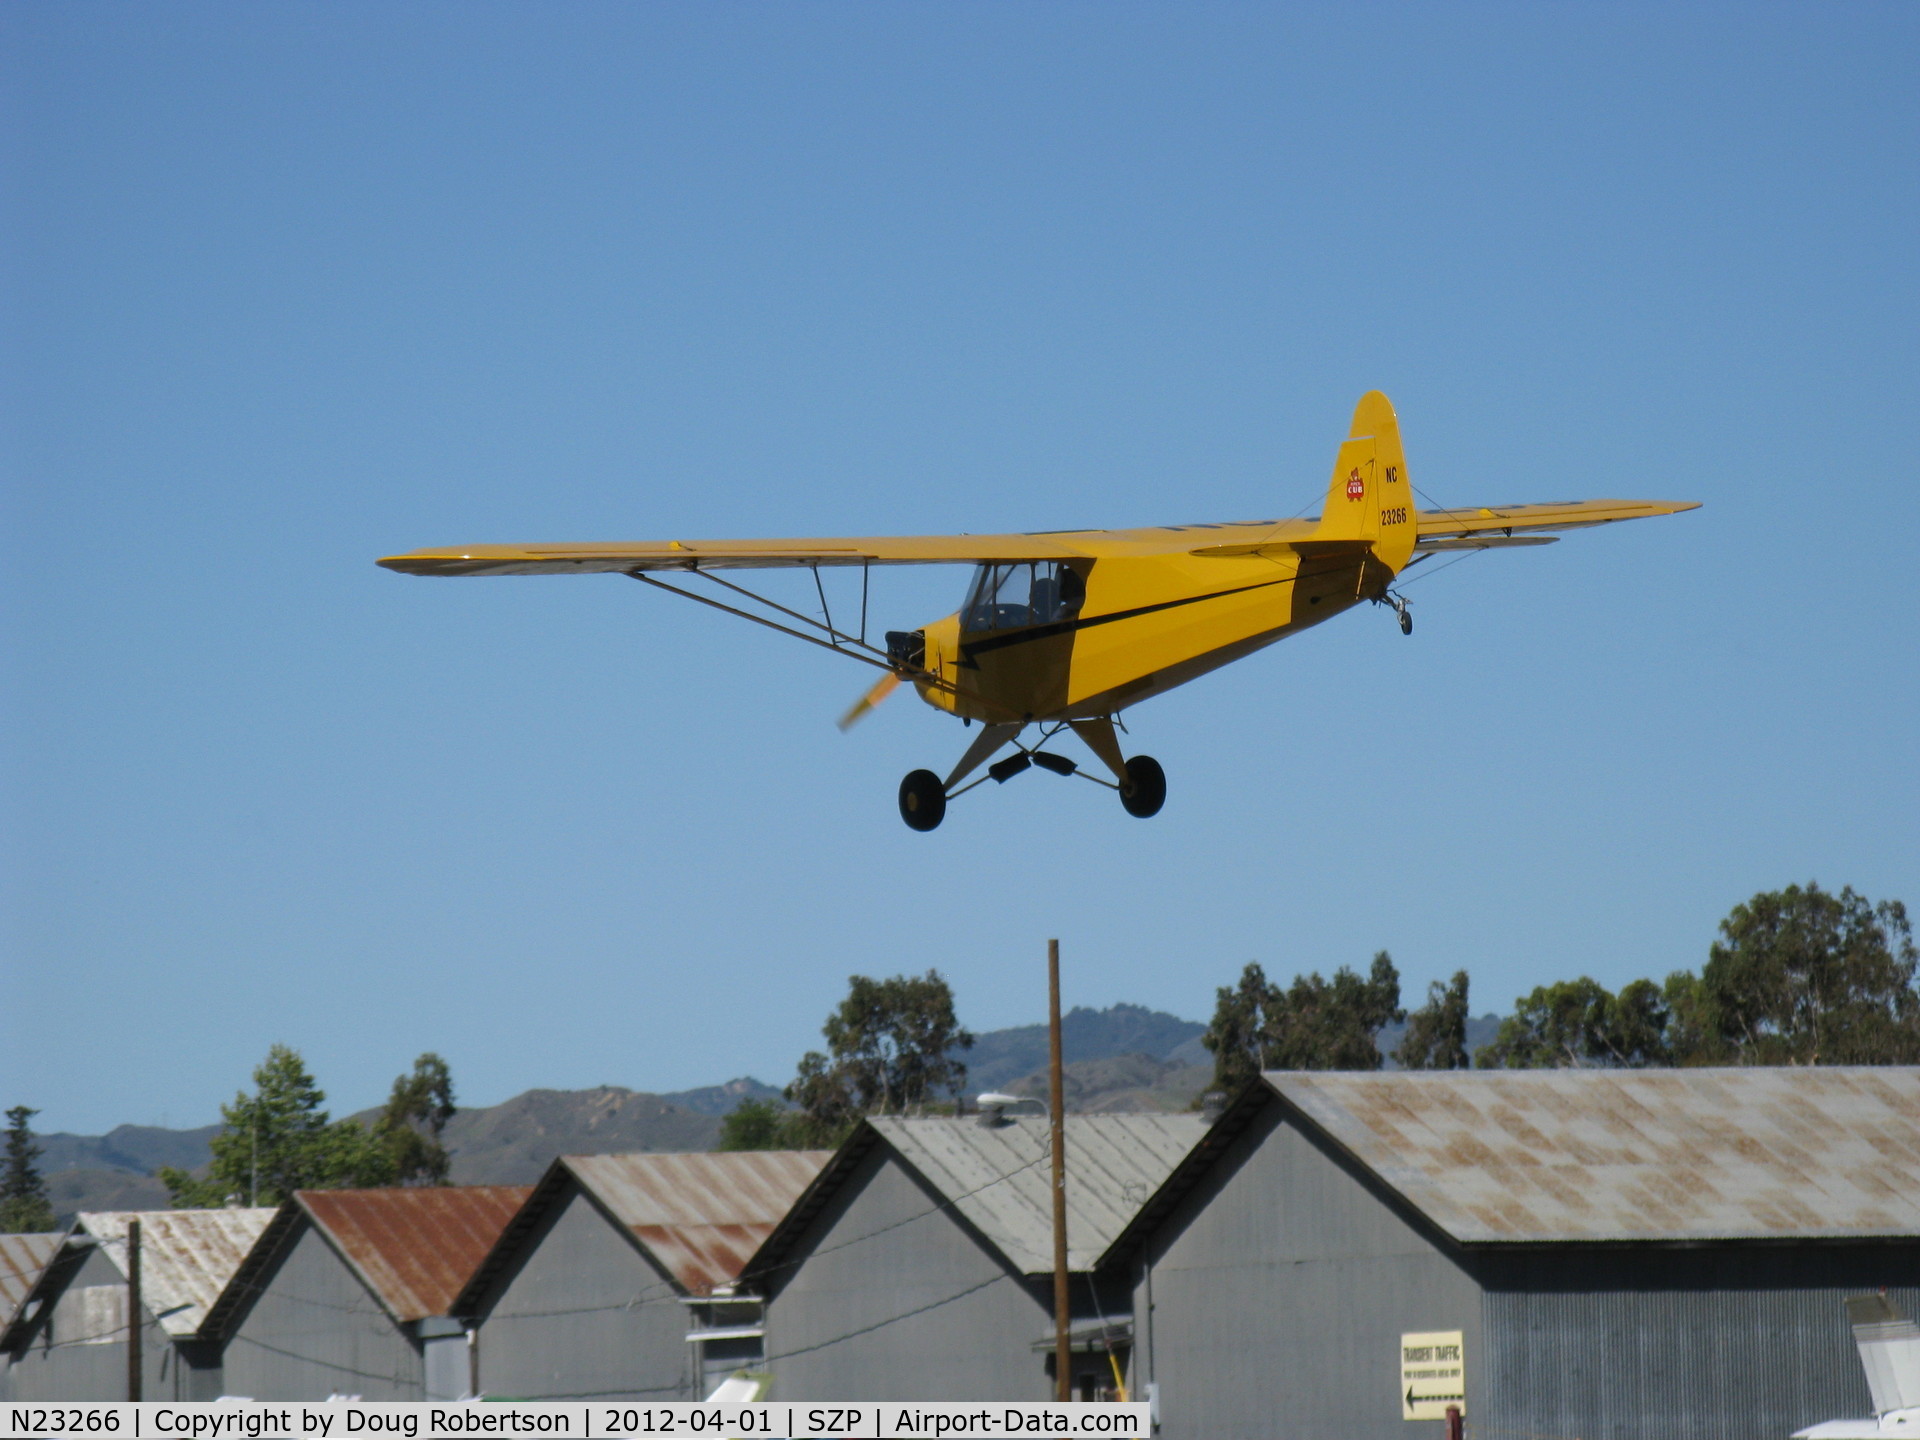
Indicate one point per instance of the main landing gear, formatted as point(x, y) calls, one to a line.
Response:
point(1145, 790)
point(1140, 782)
point(923, 800)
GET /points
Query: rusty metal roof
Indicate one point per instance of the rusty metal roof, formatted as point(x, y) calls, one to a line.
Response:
point(414, 1247)
point(701, 1215)
point(186, 1256)
point(1819, 1153)
point(999, 1176)
point(22, 1258)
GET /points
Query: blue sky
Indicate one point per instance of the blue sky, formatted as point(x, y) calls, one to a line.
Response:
point(288, 287)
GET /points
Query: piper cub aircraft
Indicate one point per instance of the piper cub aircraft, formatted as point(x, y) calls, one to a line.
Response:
point(1063, 630)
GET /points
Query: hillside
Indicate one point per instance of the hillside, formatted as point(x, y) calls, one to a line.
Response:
point(514, 1142)
point(1121, 1085)
point(127, 1149)
point(72, 1191)
point(1125, 1058)
point(1000, 1057)
point(506, 1144)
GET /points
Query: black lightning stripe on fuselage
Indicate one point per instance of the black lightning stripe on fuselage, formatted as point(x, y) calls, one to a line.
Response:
point(1066, 627)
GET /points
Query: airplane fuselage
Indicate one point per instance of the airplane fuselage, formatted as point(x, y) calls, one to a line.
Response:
point(1146, 625)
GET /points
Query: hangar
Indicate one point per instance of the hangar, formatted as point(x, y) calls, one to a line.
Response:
point(1623, 1253)
point(919, 1266)
point(350, 1292)
point(597, 1287)
point(67, 1338)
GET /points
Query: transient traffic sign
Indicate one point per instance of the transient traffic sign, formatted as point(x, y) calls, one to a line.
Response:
point(1433, 1375)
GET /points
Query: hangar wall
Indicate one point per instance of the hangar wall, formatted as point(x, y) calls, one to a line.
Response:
point(1724, 1343)
point(1279, 1291)
point(79, 1351)
point(585, 1315)
point(312, 1330)
point(895, 1298)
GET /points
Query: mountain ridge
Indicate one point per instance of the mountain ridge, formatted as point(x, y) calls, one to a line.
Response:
point(1125, 1058)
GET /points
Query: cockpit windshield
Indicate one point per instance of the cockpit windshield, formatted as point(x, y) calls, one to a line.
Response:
point(1025, 592)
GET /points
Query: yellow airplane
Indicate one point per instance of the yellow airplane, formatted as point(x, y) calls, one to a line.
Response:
point(1066, 629)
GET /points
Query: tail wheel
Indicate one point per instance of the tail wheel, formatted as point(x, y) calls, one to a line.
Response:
point(1145, 791)
point(923, 800)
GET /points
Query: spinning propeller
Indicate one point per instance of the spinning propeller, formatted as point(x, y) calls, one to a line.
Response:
point(873, 697)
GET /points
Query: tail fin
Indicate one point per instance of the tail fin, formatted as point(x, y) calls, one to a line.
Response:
point(1889, 1352)
point(1371, 498)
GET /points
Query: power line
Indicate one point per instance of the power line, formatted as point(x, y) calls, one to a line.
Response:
point(890, 1320)
point(398, 1381)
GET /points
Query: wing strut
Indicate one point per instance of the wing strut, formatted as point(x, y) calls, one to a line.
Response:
point(853, 647)
point(875, 659)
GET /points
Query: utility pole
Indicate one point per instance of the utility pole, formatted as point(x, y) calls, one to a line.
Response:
point(1056, 1110)
point(133, 1310)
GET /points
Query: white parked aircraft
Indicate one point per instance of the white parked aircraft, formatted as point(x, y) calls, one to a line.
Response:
point(1890, 1352)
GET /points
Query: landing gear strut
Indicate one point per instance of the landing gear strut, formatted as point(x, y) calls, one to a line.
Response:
point(1141, 782)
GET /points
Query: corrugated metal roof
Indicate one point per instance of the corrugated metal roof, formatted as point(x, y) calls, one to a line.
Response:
point(1553, 1155)
point(414, 1247)
point(999, 1176)
point(702, 1216)
point(186, 1256)
point(22, 1258)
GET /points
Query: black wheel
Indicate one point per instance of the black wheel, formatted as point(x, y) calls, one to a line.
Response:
point(1146, 788)
point(1406, 623)
point(923, 800)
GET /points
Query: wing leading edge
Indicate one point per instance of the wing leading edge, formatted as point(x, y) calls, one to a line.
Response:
point(1438, 530)
point(540, 559)
point(545, 559)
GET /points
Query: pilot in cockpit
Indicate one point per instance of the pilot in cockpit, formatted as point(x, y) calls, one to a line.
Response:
point(1014, 595)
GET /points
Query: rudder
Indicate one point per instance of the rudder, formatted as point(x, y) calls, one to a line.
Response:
point(1370, 497)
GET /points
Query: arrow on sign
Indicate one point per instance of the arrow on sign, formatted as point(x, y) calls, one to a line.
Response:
point(1413, 1399)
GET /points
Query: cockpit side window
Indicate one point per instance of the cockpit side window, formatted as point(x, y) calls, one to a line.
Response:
point(1058, 592)
point(1008, 596)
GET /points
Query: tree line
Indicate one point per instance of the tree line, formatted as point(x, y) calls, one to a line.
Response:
point(892, 1049)
point(1797, 977)
point(273, 1142)
point(278, 1139)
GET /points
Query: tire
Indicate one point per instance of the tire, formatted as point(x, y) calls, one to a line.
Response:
point(1146, 788)
point(923, 800)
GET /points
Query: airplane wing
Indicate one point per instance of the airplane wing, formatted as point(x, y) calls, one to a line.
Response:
point(1486, 524)
point(1486, 527)
point(544, 559)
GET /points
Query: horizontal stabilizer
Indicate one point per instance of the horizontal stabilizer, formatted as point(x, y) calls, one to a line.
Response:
point(1556, 515)
point(1482, 542)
